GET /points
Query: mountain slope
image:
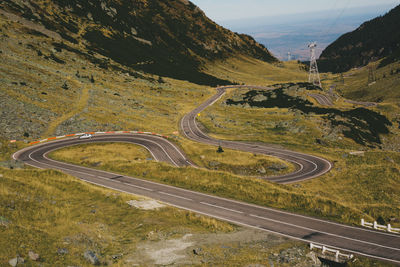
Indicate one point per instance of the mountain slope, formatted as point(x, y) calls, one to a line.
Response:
point(376, 39)
point(169, 38)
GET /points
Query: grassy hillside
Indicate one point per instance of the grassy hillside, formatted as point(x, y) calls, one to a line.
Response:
point(171, 38)
point(383, 88)
point(366, 182)
point(373, 40)
point(243, 69)
point(52, 86)
point(60, 218)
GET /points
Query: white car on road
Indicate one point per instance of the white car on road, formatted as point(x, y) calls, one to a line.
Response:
point(85, 136)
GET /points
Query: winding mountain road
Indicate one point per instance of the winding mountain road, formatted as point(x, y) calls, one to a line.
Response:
point(379, 245)
point(322, 99)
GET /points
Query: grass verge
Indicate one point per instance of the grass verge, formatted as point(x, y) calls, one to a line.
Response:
point(214, 182)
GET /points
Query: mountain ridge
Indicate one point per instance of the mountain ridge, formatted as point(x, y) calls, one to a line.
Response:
point(376, 39)
point(171, 38)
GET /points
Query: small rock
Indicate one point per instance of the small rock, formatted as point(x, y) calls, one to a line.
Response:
point(213, 163)
point(197, 251)
point(116, 256)
point(387, 159)
point(4, 221)
point(33, 256)
point(357, 153)
point(91, 257)
point(314, 258)
point(261, 170)
point(1, 175)
point(277, 167)
point(202, 157)
point(320, 142)
point(62, 251)
point(16, 261)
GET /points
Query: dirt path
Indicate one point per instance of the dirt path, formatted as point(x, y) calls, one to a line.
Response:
point(81, 103)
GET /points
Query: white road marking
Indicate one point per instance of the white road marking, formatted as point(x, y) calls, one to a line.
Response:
point(137, 186)
point(172, 195)
point(219, 207)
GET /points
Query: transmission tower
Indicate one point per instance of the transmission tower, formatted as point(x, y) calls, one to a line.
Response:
point(289, 56)
point(314, 74)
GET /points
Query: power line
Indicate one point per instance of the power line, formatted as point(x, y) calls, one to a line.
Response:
point(329, 29)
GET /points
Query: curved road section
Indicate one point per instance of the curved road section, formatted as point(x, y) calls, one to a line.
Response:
point(307, 166)
point(379, 245)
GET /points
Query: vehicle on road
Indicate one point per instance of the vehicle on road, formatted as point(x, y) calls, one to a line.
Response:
point(85, 136)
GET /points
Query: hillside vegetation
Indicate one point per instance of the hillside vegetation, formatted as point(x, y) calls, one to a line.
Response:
point(76, 66)
point(376, 39)
point(167, 38)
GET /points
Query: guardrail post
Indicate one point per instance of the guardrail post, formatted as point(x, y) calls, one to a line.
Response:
point(337, 255)
point(375, 225)
point(323, 249)
point(311, 246)
point(389, 228)
point(362, 222)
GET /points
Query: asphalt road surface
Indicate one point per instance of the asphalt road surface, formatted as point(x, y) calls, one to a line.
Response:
point(379, 245)
point(308, 166)
point(322, 99)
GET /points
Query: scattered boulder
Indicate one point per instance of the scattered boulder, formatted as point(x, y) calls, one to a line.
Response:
point(357, 153)
point(277, 167)
point(91, 257)
point(389, 159)
point(16, 261)
point(117, 256)
point(213, 163)
point(314, 258)
point(62, 251)
point(261, 170)
point(197, 251)
point(259, 98)
point(33, 256)
point(320, 142)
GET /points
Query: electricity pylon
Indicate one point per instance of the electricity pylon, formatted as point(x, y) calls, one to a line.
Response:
point(314, 74)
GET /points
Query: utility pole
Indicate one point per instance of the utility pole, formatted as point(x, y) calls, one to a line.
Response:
point(314, 74)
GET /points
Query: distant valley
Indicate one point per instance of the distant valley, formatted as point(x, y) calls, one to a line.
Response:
point(292, 33)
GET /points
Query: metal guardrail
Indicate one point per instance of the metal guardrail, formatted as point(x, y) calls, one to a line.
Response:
point(333, 252)
point(377, 226)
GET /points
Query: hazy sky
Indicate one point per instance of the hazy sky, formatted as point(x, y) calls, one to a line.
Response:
point(222, 10)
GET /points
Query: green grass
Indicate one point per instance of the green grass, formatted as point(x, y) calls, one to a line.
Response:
point(224, 184)
point(358, 187)
point(367, 185)
point(48, 210)
point(355, 83)
point(242, 69)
